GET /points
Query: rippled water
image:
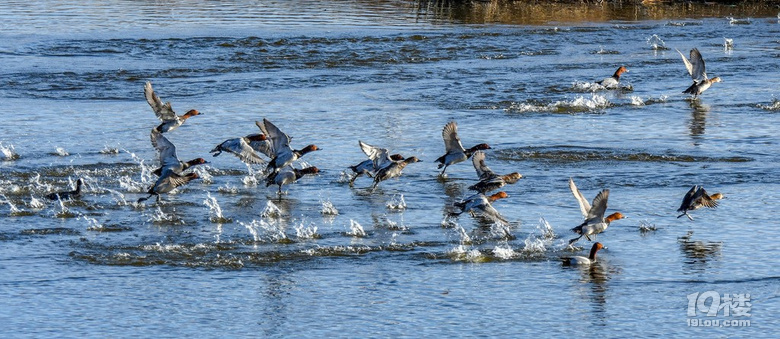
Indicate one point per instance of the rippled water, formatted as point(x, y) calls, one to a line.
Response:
point(226, 256)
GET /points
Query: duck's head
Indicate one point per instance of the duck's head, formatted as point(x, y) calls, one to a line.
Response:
point(615, 216)
point(596, 247)
point(499, 195)
point(396, 157)
point(257, 137)
point(310, 148)
point(192, 175)
point(621, 70)
point(310, 170)
point(512, 178)
point(198, 161)
point(717, 196)
point(410, 160)
point(480, 147)
point(192, 113)
point(716, 79)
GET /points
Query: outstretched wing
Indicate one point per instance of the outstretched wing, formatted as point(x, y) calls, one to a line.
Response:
point(483, 171)
point(704, 199)
point(380, 156)
point(241, 149)
point(167, 150)
point(451, 140)
point(584, 205)
point(279, 140)
point(262, 146)
point(598, 207)
point(695, 65)
point(163, 111)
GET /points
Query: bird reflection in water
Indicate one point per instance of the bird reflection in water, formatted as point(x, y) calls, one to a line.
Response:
point(698, 121)
point(698, 253)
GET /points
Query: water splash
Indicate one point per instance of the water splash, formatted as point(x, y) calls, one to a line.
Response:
point(13, 209)
point(306, 232)
point(537, 244)
point(465, 238)
point(130, 185)
point(36, 182)
point(646, 226)
point(36, 203)
point(109, 150)
point(328, 208)
point(637, 101)
point(271, 211)
point(656, 43)
point(117, 197)
point(467, 253)
point(774, 106)
point(92, 223)
point(355, 229)
point(253, 227)
point(728, 45)
point(735, 21)
point(504, 251)
point(397, 202)
point(275, 231)
point(59, 151)
point(9, 152)
point(203, 174)
point(227, 189)
point(578, 104)
point(344, 177)
point(64, 212)
point(160, 217)
point(215, 211)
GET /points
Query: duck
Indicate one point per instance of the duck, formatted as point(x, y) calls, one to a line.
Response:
point(392, 170)
point(171, 169)
point(697, 70)
point(613, 81)
point(167, 151)
point(482, 204)
point(283, 154)
point(595, 222)
point(455, 152)
point(164, 112)
point(247, 149)
point(580, 260)
point(488, 180)
point(377, 158)
point(67, 195)
point(697, 198)
point(288, 175)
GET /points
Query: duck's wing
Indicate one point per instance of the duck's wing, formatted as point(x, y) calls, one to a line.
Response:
point(584, 205)
point(705, 200)
point(598, 207)
point(699, 71)
point(166, 149)
point(241, 149)
point(687, 63)
point(688, 199)
point(280, 142)
point(163, 111)
point(380, 156)
point(451, 140)
point(483, 171)
point(262, 146)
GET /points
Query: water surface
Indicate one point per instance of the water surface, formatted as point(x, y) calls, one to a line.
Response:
point(226, 256)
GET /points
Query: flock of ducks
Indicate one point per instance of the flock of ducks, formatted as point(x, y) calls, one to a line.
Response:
point(274, 144)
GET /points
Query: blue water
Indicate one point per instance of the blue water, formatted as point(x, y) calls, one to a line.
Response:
point(226, 256)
